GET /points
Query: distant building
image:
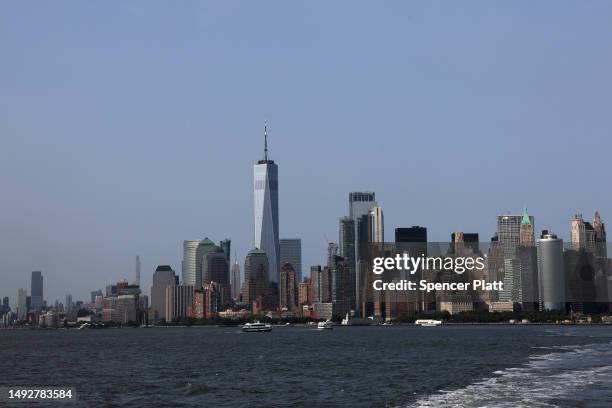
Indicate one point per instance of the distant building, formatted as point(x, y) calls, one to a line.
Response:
point(22, 308)
point(215, 269)
point(377, 224)
point(36, 292)
point(332, 253)
point(206, 302)
point(265, 184)
point(412, 234)
point(179, 300)
point(347, 239)
point(163, 277)
point(305, 292)
point(291, 252)
point(68, 306)
point(204, 246)
point(551, 272)
point(235, 280)
point(287, 297)
point(226, 245)
point(188, 275)
point(94, 294)
point(257, 286)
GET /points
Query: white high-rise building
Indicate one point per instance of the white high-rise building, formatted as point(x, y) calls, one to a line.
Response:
point(291, 251)
point(22, 308)
point(188, 274)
point(378, 224)
point(265, 185)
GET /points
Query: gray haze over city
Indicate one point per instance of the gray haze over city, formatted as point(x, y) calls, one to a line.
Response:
point(126, 128)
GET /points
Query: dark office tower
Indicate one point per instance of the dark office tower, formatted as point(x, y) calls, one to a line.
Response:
point(265, 184)
point(413, 240)
point(315, 279)
point(226, 245)
point(200, 252)
point(137, 280)
point(257, 286)
point(332, 253)
point(5, 305)
point(215, 268)
point(288, 288)
point(36, 291)
point(412, 234)
point(341, 288)
point(347, 239)
point(600, 236)
point(291, 251)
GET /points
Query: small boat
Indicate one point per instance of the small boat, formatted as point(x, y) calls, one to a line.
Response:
point(428, 322)
point(326, 325)
point(256, 326)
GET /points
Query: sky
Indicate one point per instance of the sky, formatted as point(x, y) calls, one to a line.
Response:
point(127, 127)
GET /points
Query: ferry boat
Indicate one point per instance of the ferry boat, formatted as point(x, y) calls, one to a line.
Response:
point(326, 325)
point(256, 326)
point(355, 321)
point(428, 322)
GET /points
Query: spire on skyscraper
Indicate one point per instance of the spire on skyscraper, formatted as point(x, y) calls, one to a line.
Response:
point(526, 220)
point(265, 141)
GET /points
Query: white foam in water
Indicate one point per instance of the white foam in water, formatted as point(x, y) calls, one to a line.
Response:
point(583, 373)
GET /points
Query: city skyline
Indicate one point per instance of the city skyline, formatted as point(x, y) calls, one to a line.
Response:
point(112, 149)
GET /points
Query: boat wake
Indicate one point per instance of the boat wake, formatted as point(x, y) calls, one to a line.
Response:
point(569, 376)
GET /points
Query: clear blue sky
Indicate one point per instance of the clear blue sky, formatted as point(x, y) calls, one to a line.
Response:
point(126, 127)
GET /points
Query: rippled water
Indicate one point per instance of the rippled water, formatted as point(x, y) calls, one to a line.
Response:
point(458, 366)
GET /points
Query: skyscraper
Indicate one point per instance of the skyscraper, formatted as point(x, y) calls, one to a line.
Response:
point(265, 185)
point(216, 269)
point(163, 277)
point(235, 279)
point(69, 304)
point(377, 224)
point(22, 307)
point(288, 288)
point(188, 274)
point(226, 245)
point(36, 290)
point(512, 232)
point(552, 273)
point(413, 234)
point(203, 248)
point(137, 281)
point(256, 279)
point(291, 252)
point(347, 239)
point(360, 205)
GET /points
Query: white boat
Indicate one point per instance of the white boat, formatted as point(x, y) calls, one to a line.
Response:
point(326, 325)
point(256, 326)
point(428, 322)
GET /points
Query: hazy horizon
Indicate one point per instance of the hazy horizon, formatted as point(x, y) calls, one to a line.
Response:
point(127, 128)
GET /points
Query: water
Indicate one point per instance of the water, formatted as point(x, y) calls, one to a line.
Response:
point(407, 366)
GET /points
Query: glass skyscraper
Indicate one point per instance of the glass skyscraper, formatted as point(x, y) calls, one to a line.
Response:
point(291, 251)
point(36, 291)
point(265, 185)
